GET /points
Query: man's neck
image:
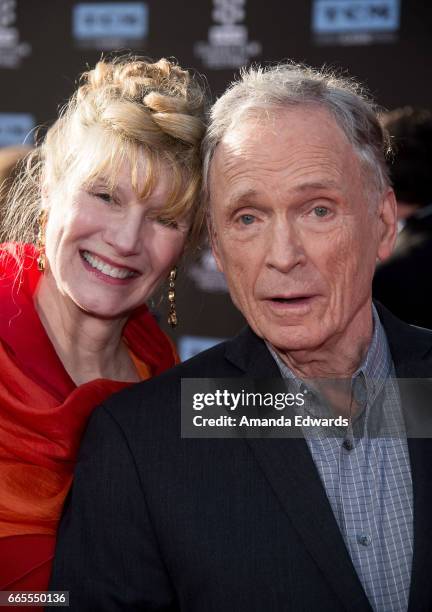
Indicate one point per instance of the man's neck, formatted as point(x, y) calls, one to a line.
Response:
point(339, 357)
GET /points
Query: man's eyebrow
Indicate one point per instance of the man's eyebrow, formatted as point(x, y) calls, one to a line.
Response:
point(249, 194)
point(242, 196)
point(317, 185)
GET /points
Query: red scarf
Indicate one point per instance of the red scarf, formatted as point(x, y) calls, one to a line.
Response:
point(42, 419)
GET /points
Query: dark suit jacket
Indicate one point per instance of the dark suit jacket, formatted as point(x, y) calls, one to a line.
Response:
point(157, 522)
point(403, 283)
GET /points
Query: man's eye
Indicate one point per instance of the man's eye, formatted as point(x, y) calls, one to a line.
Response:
point(247, 219)
point(321, 211)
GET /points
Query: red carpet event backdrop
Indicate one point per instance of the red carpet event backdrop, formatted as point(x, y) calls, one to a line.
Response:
point(45, 45)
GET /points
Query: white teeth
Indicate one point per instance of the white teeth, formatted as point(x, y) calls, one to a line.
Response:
point(102, 266)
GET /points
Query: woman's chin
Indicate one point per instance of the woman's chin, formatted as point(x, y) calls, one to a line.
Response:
point(102, 311)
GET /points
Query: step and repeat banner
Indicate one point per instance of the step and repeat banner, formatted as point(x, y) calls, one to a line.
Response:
point(46, 44)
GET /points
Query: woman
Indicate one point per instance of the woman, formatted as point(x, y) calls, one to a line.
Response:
point(112, 194)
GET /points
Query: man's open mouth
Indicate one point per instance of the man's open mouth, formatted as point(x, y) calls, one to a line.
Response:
point(291, 300)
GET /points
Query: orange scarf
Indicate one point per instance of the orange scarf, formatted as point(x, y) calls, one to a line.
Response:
point(43, 414)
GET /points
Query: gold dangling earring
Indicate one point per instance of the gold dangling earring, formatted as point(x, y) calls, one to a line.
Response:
point(40, 242)
point(172, 316)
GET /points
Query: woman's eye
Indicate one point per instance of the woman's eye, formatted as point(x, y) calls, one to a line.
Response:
point(321, 211)
point(106, 197)
point(247, 219)
point(168, 222)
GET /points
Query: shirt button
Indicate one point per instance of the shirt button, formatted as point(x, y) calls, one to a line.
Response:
point(364, 540)
point(304, 390)
point(347, 444)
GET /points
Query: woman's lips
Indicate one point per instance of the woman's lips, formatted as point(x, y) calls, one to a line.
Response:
point(108, 261)
point(104, 269)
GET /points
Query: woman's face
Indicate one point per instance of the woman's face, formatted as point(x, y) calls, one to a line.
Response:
point(108, 250)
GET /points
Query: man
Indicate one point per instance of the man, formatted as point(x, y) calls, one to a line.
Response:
point(300, 209)
point(403, 283)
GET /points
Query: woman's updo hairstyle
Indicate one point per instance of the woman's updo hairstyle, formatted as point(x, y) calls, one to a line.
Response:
point(125, 109)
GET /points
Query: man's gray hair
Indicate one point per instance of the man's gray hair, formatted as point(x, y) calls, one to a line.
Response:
point(290, 85)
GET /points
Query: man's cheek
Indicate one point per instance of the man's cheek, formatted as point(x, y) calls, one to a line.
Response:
point(238, 283)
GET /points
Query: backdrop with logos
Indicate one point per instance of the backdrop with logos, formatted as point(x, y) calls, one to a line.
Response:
point(45, 45)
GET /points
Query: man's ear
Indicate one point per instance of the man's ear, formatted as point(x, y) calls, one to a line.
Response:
point(387, 220)
point(214, 244)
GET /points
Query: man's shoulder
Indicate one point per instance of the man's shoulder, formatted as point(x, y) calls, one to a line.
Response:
point(162, 393)
point(420, 333)
point(407, 332)
point(211, 363)
point(410, 346)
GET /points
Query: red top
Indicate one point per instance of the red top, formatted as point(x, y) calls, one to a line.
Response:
point(42, 418)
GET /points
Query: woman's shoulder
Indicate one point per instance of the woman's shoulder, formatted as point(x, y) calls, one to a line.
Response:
point(149, 343)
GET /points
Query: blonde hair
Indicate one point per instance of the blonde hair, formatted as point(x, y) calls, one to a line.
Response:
point(124, 109)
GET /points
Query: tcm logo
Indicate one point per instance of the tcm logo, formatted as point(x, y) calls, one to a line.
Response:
point(7, 13)
point(338, 16)
point(228, 31)
point(227, 44)
point(12, 49)
point(15, 128)
point(126, 21)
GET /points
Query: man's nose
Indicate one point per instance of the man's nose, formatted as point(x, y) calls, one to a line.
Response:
point(285, 249)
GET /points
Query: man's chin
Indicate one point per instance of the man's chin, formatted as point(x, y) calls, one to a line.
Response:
point(290, 338)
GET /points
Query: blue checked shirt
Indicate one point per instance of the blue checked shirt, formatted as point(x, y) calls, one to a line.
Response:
point(366, 474)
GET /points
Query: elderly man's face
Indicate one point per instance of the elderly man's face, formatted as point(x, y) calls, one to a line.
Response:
point(293, 230)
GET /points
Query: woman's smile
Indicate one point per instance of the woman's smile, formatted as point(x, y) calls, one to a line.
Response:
point(97, 264)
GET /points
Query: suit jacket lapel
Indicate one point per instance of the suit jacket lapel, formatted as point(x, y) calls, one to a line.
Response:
point(291, 473)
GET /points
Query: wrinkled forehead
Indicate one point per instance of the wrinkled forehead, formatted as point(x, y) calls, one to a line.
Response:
point(288, 145)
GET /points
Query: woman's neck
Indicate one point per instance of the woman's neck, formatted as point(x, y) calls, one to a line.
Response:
point(88, 347)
